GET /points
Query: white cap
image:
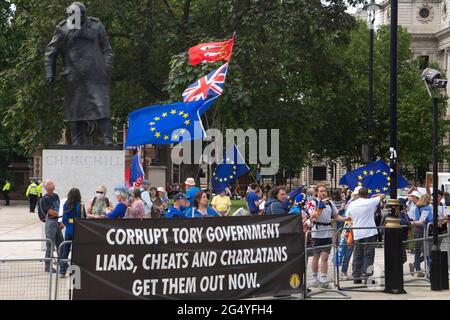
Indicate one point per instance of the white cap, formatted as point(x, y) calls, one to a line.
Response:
point(355, 192)
point(416, 194)
point(160, 189)
point(190, 182)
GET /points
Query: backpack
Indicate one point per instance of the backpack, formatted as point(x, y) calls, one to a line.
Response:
point(41, 213)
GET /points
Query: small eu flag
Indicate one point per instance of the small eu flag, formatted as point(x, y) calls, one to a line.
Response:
point(289, 202)
point(375, 177)
point(233, 167)
point(167, 124)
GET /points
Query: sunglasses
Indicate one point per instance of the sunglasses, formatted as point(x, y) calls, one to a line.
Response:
point(100, 192)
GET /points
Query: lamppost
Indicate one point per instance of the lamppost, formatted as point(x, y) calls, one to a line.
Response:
point(371, 9)
point(393, 231)
point(432, 78)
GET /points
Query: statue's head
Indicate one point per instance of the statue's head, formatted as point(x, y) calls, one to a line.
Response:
point(77, 8)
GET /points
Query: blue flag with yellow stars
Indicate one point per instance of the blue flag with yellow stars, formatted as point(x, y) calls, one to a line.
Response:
point(233, 167)
point(290, 198)
point(167, 124)
point(375, 177)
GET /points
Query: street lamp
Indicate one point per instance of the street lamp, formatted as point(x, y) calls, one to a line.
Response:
point(371, 9)
point(393, 265)
point(432, 77)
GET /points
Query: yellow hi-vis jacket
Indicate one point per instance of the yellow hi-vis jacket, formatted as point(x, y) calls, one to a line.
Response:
point(7, 186)
point(39, 190)
point(32, 189)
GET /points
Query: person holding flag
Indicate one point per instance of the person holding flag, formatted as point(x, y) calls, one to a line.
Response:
point(274, 205)
point(322, 235)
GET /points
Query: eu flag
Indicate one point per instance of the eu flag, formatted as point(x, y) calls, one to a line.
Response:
point(167, 124)
point(233, 167)
point(289, 202)
point(375, 177)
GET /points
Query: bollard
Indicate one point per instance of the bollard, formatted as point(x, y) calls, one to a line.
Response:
point(392, 252)
point(444, 270)
point(435, 272)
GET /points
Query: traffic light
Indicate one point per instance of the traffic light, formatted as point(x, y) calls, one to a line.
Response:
point(331, 170)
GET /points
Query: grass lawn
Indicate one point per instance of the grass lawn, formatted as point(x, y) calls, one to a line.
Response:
point(236, 204)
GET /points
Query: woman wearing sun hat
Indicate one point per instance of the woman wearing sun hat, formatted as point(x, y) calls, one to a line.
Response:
point(120, 210)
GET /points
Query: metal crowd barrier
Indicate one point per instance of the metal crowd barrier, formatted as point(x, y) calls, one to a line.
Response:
point(63, 285)
point(371, 279)
point(426, 244)
point(26, 278)
point(310, 292)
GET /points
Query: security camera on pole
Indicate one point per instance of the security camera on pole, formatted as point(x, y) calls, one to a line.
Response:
point(438, 278)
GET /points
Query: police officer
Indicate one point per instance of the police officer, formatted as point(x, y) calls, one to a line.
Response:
point(32, 194)
point(39, 189)
point(6, 189)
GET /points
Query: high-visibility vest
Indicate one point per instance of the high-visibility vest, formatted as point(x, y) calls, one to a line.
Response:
point(32, 189)
point(7, 186)
point(39, 190)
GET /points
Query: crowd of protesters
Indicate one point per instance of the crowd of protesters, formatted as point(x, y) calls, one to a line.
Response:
point(321, 216)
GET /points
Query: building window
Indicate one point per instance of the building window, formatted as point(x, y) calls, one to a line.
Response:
point(424, 13)
point(423, 62)
point(320, 173)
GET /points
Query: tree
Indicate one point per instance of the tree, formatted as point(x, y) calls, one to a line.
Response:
point(10, 39)
point(345, 111)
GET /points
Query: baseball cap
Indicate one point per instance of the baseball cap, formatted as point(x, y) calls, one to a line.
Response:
point(355, 192)
point(145, 182)
point(179, 196)
point(160, 189)
point(416, 194)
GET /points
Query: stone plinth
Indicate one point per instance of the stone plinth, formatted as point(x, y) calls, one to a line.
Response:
point(85, 169)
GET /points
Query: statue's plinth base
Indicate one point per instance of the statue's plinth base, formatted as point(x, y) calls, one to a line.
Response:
point(85, 168)
point(86, 147)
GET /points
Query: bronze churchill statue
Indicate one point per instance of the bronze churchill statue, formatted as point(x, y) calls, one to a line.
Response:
point(86, 73)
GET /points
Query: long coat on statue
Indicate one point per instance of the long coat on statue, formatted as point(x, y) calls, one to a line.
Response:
point(87, 67)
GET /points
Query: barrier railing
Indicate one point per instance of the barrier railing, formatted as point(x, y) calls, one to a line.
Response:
point(26, 278)
point(63, 283)
point(368, 271)
point(422, 255)
point(311, 281)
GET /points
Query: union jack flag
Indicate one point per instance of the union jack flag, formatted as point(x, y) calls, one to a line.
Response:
point(208, 86)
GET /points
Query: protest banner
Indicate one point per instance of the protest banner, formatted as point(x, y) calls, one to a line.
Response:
point(203, 258)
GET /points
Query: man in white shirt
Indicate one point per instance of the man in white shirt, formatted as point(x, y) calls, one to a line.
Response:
point(362, 212)
point(413, 199)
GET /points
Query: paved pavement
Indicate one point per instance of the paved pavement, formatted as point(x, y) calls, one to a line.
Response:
point(17, 223)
